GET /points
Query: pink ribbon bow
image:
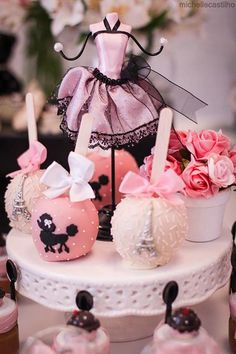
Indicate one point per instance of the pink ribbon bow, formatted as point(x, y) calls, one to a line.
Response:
point(166, 187)
point(31, 159)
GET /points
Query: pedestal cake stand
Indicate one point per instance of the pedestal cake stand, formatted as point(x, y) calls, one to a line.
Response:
point(121, 294)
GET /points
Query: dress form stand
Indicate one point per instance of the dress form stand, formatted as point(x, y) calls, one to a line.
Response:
point(105, 214)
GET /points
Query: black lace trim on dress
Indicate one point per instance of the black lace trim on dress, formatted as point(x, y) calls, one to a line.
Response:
point(106, 141)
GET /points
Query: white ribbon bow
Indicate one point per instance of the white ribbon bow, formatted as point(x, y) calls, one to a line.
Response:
point(74, 183)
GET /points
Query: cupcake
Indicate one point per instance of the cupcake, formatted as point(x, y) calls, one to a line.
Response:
point(83, 334)
point(9, 337)
point(181, 333)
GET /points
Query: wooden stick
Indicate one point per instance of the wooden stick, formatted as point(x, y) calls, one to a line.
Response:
point(32, 127)
point(162, 143)
point(84, 134)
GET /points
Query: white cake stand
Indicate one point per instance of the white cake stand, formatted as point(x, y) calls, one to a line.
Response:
point(199, 268)
point(126, 301)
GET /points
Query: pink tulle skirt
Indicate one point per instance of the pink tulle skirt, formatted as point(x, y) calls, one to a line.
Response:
point(124, 111)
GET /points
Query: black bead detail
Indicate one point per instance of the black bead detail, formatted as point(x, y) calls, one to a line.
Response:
point(106, 80)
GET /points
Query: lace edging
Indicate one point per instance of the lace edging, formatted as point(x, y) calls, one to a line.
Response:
point(106, 141)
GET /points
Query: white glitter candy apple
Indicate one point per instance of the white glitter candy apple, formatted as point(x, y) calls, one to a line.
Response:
point(148, 231)
point(25, 188)
point(150, 223)
point(20, 198)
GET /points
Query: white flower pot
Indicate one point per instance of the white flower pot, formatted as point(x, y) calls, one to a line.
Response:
point(206, 216)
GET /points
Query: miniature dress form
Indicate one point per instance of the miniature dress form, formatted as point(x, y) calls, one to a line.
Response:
point(121, 96)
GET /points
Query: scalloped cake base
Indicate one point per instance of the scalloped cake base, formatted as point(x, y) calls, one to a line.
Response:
point(199, 268)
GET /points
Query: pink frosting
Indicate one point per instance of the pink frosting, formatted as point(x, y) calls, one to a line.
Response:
point(78, 341)
point(170, 341)
point(72, 340)
point(8, 315)
point(232, 304)
point(41, 348)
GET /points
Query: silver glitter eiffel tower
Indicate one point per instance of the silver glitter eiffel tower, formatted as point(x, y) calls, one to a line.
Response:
point(146, 243)
point(19, 206)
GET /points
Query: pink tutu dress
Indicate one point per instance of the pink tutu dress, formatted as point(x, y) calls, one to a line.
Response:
point(121, 96)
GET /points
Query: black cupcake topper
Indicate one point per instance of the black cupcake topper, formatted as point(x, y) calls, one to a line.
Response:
point(12, 276)
point(184, 320)
point(83, 318)
point(169, 295)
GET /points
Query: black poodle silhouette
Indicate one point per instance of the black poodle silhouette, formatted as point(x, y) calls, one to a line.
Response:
point(103, 180)
point(50, 239)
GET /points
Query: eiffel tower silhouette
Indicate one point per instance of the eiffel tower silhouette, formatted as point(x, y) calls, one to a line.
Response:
point(19, 206)
point(146, 242)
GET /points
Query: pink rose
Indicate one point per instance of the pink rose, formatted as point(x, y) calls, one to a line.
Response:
point(197, 181)
point(206, 142)
point(177, 141)
point(174, 164)
point(221, 170)
point(146, 169)
point(232, 155)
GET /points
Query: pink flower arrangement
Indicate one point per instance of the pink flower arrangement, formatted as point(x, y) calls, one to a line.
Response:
point(205, 161)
